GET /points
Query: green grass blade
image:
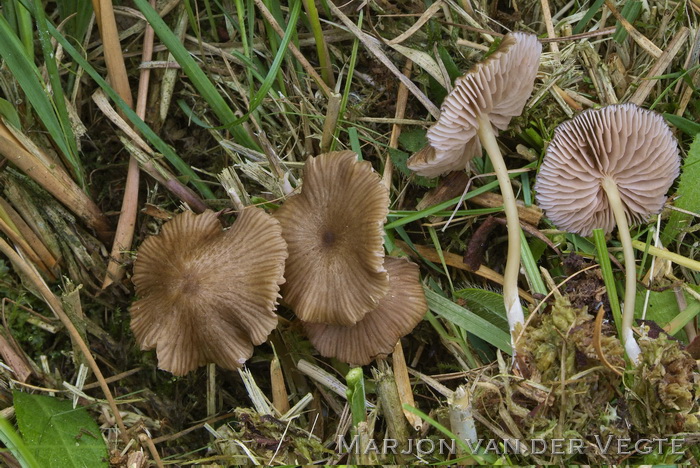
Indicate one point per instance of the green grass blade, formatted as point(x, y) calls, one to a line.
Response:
point(196, 75)
point(9, 111)
point(531, 270)
point(355, 142)
point(140, 125)
point(441, 256)
point(72, 157)
point(212, 22)
point(608, 278)
point(29, 79)
point(26, 32)
point(468, 320)
point(277, 63)
point(243, 30)
point(15, 444)
point(581, 25)
point(348, 84)
point(679, 321)
point(321, 48)
point(630, 11)
point(681, 123)
point(75, 15)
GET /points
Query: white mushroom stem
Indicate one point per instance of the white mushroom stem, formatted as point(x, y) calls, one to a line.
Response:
point(631, 346)
point(510, 277)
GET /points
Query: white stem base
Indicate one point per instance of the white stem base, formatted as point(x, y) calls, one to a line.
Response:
point(631, 347)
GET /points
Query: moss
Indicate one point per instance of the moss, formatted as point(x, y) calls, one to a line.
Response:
point(663, 394)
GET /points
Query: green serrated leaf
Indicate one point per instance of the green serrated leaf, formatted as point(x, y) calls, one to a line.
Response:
point(413, 140)
point(399, 158)
point(468, 320)
point(486, 304)
point(688, 196)
point(57, 434)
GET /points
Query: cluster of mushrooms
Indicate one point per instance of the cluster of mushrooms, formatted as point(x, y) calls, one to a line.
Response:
point(209, 295)
point(606, 167)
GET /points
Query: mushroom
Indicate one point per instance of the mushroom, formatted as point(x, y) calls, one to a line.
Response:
point(396, 314)
point(334, 231)
point(609, 166)
point(488, 96)
point(207, 295)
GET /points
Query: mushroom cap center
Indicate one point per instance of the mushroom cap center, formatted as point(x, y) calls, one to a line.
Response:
point(328, 238)
point(190, 281)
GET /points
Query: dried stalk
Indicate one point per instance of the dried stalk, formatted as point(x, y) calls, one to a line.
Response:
point(55, 305)
point(116, 71)
point(56, 182)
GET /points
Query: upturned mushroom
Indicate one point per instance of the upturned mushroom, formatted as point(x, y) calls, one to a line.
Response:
point(335, 271)
point(606, 167)
point(488, 96)
point(206, 295)
point(376, 334)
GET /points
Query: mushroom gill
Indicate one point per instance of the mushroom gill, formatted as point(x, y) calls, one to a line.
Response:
point(630, 146)
point(495, 89)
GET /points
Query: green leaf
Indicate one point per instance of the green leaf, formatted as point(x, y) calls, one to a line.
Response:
point(486, 304)
point(59, 99)
point(413, 140)
point(681, 123)
point(531, 270)
point(581, 25)
point(58, 434)
point(15, 444)
point(399, 158)
point(662, 307)
point(449, 64)
point(688, 196)
point(9, 111)
point(468, 320)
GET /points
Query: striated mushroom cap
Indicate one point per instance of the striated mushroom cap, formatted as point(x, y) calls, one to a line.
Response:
point(498, 87)
point(377, 333)
point(208, 295)
point(333, 228)
point(631, 145)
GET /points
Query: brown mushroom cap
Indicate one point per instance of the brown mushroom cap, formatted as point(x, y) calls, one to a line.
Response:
point(498, 87)
point(377, 333)
point(333, 229)
point(207, 295)
point(633, 146)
